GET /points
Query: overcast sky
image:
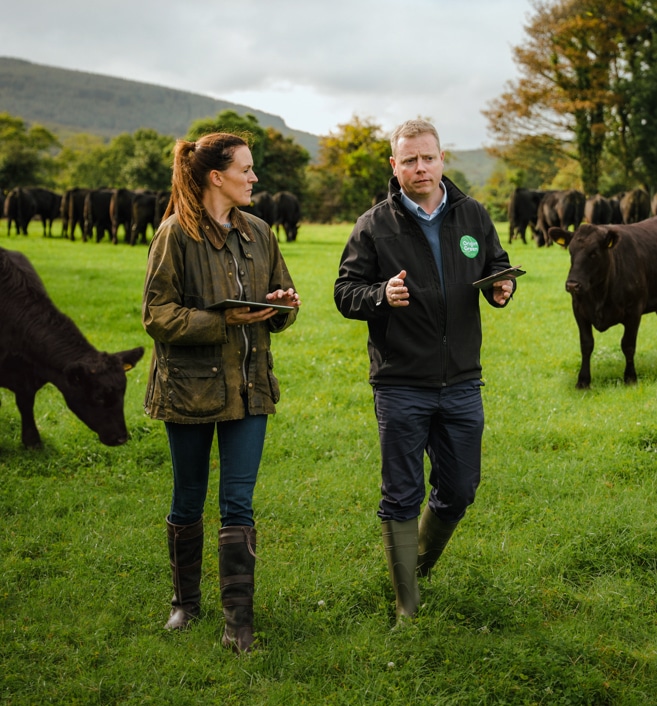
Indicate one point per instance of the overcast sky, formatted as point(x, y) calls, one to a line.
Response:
point(315, 63)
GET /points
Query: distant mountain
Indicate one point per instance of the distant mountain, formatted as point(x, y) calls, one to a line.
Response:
point(68, 101)
point(477, 165)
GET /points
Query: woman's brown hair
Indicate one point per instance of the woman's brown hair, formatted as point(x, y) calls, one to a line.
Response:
point(192, 162)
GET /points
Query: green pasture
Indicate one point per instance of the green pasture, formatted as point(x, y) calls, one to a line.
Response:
point(546, 594)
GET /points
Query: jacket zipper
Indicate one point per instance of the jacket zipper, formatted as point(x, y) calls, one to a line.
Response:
point(242, 327)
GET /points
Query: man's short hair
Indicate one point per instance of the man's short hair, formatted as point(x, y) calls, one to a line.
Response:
point(412, 128)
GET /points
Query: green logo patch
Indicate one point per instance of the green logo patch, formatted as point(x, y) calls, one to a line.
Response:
point(469, 246)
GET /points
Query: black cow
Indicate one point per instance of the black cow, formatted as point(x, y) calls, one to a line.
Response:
point(597, 210)
point(73, 201)
point(522, 211)
point(121, 213)
point(97, 214)
point(288, 214)
point(263, 205)
point(635, 206)
point(143, 215)
point(48, 205)
point(614, 202)
point(40, 344)
point(559, 209)
point(612, 280)
point(19, 209)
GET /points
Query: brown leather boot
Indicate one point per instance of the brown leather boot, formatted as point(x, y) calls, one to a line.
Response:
point(400, 542)
point(433, 536)
point(237, 545)
point(186, 557)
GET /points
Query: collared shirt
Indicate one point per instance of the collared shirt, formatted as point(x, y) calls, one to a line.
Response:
point(417, 210)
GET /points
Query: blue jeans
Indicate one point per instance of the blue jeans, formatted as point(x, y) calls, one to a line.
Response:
point(448, 424)
point(240, 450)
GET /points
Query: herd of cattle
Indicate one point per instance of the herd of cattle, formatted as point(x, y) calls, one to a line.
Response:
point(542, 210)
point(613, 259)
point(99, 212)
point(612, 280)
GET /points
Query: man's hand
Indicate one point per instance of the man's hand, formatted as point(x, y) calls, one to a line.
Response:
point(396, 291)
point(502, 290)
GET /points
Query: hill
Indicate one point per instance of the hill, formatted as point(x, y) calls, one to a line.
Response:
point(68, 101)
point(477, 165)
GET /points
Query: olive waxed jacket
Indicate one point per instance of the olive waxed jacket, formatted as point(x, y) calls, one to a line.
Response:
point(201, 367)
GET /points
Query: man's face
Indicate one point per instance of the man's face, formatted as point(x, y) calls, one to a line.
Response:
point(418, 166)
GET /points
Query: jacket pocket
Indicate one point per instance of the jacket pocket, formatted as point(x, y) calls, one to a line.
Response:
point(196, 388)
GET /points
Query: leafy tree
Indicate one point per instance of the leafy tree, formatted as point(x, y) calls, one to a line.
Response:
point(138, 161)
point(573, 63)
point(632, 134)
point(496, 192)
point(459, 178)
point(284, 165)
point(148, 166)
point(353, 167)
point(25, 154)
point(532, 161)
point(75, 164)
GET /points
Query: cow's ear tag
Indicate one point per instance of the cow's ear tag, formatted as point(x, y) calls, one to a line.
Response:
point(127, 366)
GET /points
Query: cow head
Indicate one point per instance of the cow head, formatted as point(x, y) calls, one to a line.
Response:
point(94, 390)
point(590, 248)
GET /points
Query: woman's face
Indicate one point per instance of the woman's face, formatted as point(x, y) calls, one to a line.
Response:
point(236, 182)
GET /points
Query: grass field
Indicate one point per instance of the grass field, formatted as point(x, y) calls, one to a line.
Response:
point(546, 594)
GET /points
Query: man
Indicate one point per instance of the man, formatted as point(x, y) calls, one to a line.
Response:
point(408, 270)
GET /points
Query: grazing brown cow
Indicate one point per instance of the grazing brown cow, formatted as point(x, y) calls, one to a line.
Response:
point(612, 280)
point(40, 344)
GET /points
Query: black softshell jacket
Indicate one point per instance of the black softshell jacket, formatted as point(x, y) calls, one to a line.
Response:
point(436, 340)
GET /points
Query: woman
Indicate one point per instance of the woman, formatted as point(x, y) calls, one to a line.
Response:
point(212, 368)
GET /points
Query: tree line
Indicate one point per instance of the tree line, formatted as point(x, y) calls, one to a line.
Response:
point(584, 106)
point(352, 171)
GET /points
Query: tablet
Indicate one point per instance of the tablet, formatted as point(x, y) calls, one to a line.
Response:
point(510, 273)
point(254, 306)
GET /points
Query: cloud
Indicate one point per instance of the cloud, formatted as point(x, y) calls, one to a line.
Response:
point(314, 63)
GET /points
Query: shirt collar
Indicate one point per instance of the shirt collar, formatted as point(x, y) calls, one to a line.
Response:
point(417, 210)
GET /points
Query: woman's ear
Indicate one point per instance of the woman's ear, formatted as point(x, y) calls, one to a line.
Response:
point(216, 178)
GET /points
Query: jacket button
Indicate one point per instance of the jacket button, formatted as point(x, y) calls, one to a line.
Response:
point(250, 384)
point(214, 370)
point(254, 349)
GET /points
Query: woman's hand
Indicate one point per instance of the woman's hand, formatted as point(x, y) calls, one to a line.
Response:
point(243, 316)
point(287, 297)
